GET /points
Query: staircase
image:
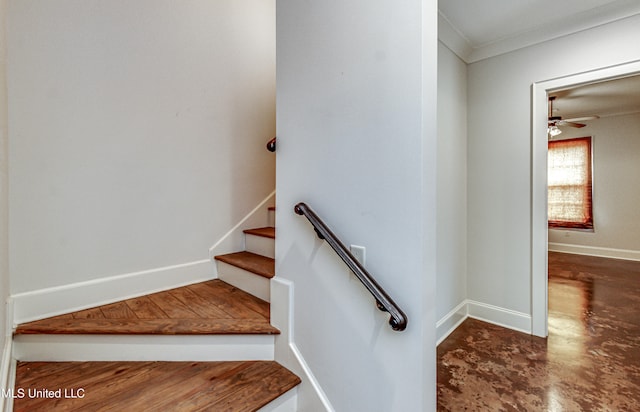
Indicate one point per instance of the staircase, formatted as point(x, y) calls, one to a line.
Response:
point(207, 346)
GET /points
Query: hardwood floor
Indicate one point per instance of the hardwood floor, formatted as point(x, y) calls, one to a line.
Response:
point(589, 362)
point(212, 307)
point(150, 386)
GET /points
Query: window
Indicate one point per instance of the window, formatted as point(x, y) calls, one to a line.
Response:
point(570, 184)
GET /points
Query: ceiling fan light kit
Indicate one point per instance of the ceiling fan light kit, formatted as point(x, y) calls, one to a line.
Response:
point(553, 131)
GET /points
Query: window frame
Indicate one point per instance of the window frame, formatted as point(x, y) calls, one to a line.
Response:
point(587, 225)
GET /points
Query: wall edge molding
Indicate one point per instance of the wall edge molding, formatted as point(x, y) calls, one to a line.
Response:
point(450, 322)
point(286, 351)
point(7, 365)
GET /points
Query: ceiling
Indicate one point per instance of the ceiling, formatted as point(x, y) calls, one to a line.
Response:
point(480, 29)
point(604, 99)
point(490, 27)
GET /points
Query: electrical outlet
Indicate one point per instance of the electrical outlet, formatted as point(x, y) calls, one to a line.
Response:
point(359, 252)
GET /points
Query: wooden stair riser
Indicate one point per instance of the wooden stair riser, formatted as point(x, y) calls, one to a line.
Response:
point(67, 348)
point(260, 245)
point(249, 282)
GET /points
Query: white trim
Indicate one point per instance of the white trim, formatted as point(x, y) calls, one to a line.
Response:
point(539, 222)
point(311, 378)
point(7, 366)
point(496, 315)
point(451, 37)
point(260, 245)
point(544, 32)
point(67, 348)
point(539, 230)
point(12, 383)
point(586, 20)
point(451, 321)
point(286, 351)
point(249, 282)
point(595, 251)
point(287, 402)
point(232, 241)
point(507, 318)
point(44, 303)
point(9, 318)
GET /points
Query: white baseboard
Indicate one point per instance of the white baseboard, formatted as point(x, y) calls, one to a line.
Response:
point(68, 348)
point(499, 316)
point(43, 303)
point(233, 240)
point(451, 321)
point(595, 251)
point(310, 396)
point(496, 315)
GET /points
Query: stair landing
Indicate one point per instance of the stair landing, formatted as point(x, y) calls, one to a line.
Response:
point(152, 386)
point(212, 307)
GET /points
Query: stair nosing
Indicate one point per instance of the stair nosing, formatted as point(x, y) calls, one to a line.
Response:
point(147, 327)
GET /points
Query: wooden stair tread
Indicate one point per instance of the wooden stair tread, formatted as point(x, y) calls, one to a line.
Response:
point(268, 231)
point(258, 264)
point(212, 307)
point(242, 386)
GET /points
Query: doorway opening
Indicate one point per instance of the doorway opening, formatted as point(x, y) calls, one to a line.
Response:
point(539, 224)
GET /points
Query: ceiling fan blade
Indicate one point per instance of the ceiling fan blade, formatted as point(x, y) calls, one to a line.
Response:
point(571, 124)
point(582, 119)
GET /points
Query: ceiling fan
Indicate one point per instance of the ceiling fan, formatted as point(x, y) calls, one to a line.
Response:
point(555, 121)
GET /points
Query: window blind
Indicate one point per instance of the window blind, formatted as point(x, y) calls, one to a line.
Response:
point(570, 184)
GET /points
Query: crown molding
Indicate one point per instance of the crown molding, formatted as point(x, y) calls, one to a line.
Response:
point(453, 38)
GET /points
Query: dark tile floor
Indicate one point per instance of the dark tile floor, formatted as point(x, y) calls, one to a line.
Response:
point(589, 362)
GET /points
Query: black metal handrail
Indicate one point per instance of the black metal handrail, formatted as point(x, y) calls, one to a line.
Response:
point(271, 145)
point(398, 320)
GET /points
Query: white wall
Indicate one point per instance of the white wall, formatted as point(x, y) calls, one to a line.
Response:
point(616, 193)
point(499, 168)
point(137, 132)
point(356, 141)
point(4, 194)
point(452, 188)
